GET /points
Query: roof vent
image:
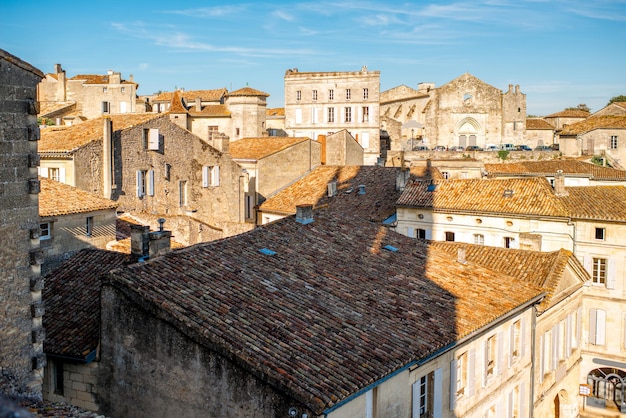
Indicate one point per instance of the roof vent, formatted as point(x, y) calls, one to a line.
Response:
point(431, 187)
point(332, 188)
point(304, 214)
point(267, 251)
point(361, 189)
point(508, 193)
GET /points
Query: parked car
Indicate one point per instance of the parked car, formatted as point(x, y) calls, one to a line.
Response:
point(522, 148)
point(555, 147)
point(420, 148)
point(491, 147)
point(507, 147)
point(543, 148)
point(456, 148)
point(473, 148)
point(439, 148)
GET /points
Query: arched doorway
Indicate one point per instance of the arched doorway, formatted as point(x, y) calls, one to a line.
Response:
point(468, 131)
point(608, 388)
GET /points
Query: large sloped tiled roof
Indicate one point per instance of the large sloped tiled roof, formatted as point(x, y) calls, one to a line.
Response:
point(71, 297)
point(331, 311)
point(596, 202)
point(261, 147)
point(96, 79)
point(596, 122)
point(214, 95)
point(56, 198)
point(48, 108)
point(276, 112)
point(538, 123)
point(215, 110)
point(376, 204)
point(543, 269)
point(522, 196)
point(570, 113)
point(550, 168)
point(67, 139)
point(248, 91)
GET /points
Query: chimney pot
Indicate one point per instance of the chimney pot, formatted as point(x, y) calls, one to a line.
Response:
point(361, 189)
point(304, 214)
point(461, 255)
point(559, 184)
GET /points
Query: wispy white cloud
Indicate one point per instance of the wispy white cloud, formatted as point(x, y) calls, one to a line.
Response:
point(203, 12)
point(283, 15)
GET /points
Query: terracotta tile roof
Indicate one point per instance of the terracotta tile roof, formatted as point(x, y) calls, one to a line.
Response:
point(124, 245)
point(71, 298)
point(570, 113)
point(538, 123)
point(550, 167)
point(620, 104)
point(67, 139)
point(218, 110)
point(377, 204)
point(248, 91)
point(276, 111)
point(596, 202)
point(96, 79)
point(56, 198)
point(176, 104)
point(191, 95)
point(543, 269)
point(47, 108)
point(331, 312)
point(257, 148)
point(528, 197)
point(596, 122)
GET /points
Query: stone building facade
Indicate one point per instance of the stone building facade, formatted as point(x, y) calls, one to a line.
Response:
point(466, 111)
point(21, 333)
point(321, 103)
point(92, 95)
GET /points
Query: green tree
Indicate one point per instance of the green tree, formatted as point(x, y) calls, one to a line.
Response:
point(621, 98)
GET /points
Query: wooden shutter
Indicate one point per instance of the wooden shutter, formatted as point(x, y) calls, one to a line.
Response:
point(610, 274)
point(410, 232)
point(600, 327)
point(542, 368)
point(499, 362)
point(365, 140)
point(555, 345)
point(150, 182)
point(522, 338)
point(588, 263)
point(453, 387)
point(415, 410)
point(139, 183)
point(471, 371)
point(62, 174)
point(592, 325)
point(437, 394)
point(522, 401)
point(205, 176)
point(215, 176)
point(153, 139)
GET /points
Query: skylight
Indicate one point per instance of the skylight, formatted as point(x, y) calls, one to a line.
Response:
point(267, 251)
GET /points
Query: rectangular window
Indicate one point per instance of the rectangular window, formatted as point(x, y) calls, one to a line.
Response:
point(142, 176)
point(508, 242)
point(237, 131)
point(331, 94)
point(57, 377)
point(298, 95)
point(210, 176)
point(366, 114)
point(366, 93)
point(461, 374)
point(150, 139)
point(348, 93)
point(106, 107)
point(89, 226)
point(331, 114)
point(104, 89)
point(53, 173)
point(479, 239)
point(44, 230)
point(314, 95)
point(600, 233)
point(420, 233)
point(490, 356)
point(445, 174)
point(249, 207)
point(123, 89)
point(598, 273)
point(516, 340)
point(182, 193)
point(298, 116)
point(613, 142)
point(348, 114)
point(449, 236)
point(597, 326)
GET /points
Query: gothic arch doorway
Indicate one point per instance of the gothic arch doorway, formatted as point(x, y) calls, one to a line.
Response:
point(468, 132)
point(608, 388)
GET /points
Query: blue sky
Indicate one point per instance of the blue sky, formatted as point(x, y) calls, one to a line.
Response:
point(561, 53)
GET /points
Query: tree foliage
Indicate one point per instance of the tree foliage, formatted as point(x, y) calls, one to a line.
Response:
point(620, 98)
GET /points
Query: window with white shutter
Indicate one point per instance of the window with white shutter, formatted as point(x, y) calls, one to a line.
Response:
point(150, 182)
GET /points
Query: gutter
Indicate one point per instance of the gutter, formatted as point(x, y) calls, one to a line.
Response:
point(440, 351)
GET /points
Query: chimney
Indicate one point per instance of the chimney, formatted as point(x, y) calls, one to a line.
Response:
point(361, 189)
point(304, 214)
point(107, 157)
point(58, 69)
point(461, 255)
point(139, 241)
point(332, 188)
point(402, 178)
point(160, 241)
point(322, 140)
point(198, 104)
point(559, 184)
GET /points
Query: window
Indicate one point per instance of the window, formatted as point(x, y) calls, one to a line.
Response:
point(331, 114)
point(249, 207)
point(597, 326)
point(89, 225)
point(490, 355)
point(298, 95)
point(366, 93)
point(106, 106)
point(600, 233)
point(445, 174)
point(516, 340)
point(420, 233)
point(613, 142)
point(298, 116)
point(314, 95)
point(461, 374)
point(514, 403)
point(210, 176)
point(508, 242)
point(331, 94)
point(142, 176)
point(348, 93)
point(237, 131)
point(123, 89)
point(598, 274)
point(366, 114)
point(45, 230)
point(151, 139)
point(57, 377)
point(449, 236)
point(348, 114)
point(104, 89)
point(182, 193)
point(479, 239)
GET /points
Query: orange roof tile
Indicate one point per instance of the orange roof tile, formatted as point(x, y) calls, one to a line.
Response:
point(66, 139)
point(248, 91)
point(538, 123)
point(176, 105)
point(257, 148)
point(56, 198)
point(570, 113)
point(216, 110)
point(606, 203)
point(191, 95)
point(96, 79)
point(276, 111)
point(595, 122)
point(550, 167)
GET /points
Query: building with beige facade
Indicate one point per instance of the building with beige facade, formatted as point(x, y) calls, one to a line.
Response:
point(321, 103)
